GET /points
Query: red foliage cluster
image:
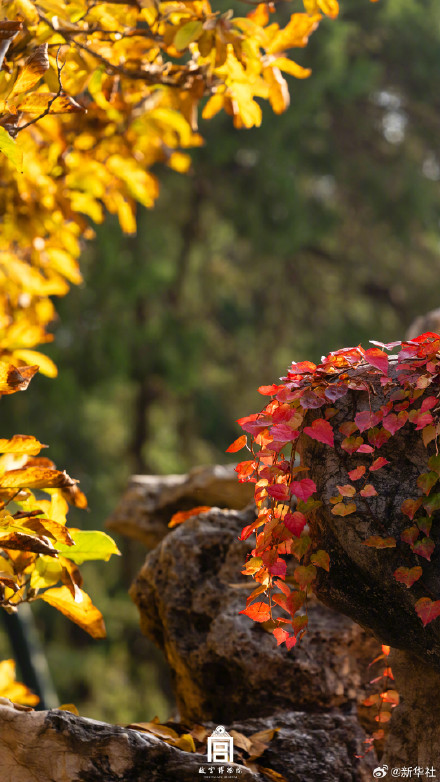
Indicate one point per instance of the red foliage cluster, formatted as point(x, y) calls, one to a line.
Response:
point(285, 496)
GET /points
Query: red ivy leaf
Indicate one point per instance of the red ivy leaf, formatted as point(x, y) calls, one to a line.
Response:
point(259, 612)
point(310, 400)
point(365, 449)
point(281, 635)
point(377, 358)
point(392, 423)
point(245, 471)
point(302, 368)
point(237, 445)
point(278, 568)
point(378, 463)
point(247, 418)
point(346, 490)
point(427, 610)
point(283, 433)
point(428, 403)
point(378, 437)
point(366, 419)
point(369, 491)
point(351, 444)
point(408, 575)
point(280, 492)
point(409, 535)
point(357, 473)
point(410, 507)
point(335, 392)
point(420, 419)
point(424, 548)
point(295, 522)
point(303, 489)
point(269, 390)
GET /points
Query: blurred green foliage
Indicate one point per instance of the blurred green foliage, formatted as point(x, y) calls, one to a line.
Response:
point(319, 230)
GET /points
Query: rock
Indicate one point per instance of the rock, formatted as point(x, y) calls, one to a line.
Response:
point(226, 667)
point(312, 747)
point(414, 738)
point(150, 500)
point(60, 747)
point(428, 322)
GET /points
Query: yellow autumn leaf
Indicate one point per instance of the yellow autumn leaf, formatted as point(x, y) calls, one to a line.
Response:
point(10, 688)
point(291, 67)
point(278, 90)
point(44, 363)
point(82, 612)
point(295, 34)
point(38, 102)
point(34, 68)
point(21, 443)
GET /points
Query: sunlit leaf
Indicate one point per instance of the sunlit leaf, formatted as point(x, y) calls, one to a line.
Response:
point(10, 688)
point(83, 613)
point(34, 68)
point(259, 612)
point(183, 515)
point(38, 102)
point(11, 149)
point(88, 545)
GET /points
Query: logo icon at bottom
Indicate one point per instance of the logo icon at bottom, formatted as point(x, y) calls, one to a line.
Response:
point(380, 772)
point(220, 746)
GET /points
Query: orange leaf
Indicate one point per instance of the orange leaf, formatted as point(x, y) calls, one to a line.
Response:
point(259, 612)
point(237, 445)
point(183, 515)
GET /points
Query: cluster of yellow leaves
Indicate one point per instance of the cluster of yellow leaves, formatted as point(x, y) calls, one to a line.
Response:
point(37, 550)
point(91, 97)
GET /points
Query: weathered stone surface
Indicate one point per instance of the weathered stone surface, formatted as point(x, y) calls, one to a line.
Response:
point(312, 747)
point(428, 322)
point(57, 746)
point(225, 666)
point(414, 738)
point(360, 582)
point(150, 500)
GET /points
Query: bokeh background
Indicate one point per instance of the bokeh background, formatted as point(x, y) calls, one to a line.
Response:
point(316, 231)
